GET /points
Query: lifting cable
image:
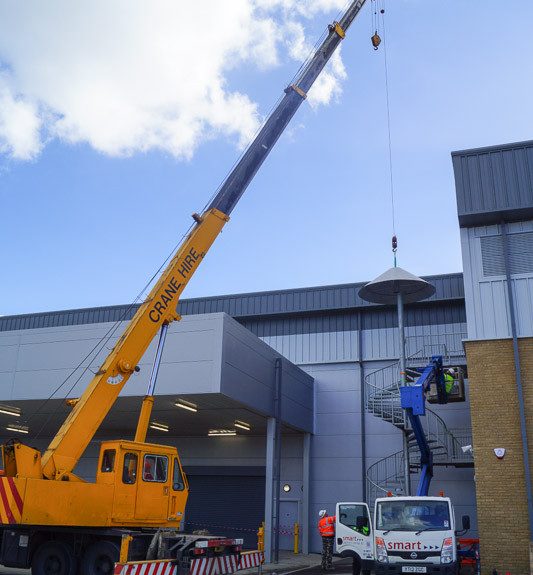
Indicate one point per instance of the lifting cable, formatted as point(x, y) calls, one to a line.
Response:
point(124, 316)
point(378, 25)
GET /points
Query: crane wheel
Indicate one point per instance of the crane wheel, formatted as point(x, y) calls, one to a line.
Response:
point(54, 558)
point(100, 558)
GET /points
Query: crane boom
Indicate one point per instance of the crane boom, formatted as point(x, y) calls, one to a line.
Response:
point(159, 308)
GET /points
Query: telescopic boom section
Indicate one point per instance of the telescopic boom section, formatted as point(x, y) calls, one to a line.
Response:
point(295, 94)
point(79, 428)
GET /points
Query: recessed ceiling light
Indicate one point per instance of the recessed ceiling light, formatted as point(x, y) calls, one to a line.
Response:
point(18, 428)
point(9, 410)
point(242, 425)
point(189, 406)
point(221, 432)
point(159, 426)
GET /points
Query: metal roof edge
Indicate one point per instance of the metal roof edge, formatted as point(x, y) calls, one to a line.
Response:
point(495, 148)
point(450, 291)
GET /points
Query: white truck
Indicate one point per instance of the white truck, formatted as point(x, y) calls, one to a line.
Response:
point(408, 535)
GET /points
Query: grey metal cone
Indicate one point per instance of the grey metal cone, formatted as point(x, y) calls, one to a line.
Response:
point(386, 287)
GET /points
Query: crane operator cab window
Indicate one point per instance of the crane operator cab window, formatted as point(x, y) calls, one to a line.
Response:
point(155, 468)
point(129, 470)
point(178, 483)
point(108, 461)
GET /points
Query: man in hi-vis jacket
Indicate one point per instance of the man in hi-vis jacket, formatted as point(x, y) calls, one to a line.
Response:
point(326, 528)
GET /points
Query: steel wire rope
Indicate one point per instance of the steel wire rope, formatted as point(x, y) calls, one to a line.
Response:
point(389, 131)
point(109, 334)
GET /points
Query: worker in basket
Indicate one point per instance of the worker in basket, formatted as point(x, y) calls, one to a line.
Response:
point(449, 380)
point(326, 528)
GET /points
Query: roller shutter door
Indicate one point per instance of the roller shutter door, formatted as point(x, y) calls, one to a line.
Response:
point(233, 506)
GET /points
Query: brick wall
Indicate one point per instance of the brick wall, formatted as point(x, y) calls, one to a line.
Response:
point(500, 484)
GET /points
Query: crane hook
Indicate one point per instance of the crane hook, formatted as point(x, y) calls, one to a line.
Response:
point(376, 40)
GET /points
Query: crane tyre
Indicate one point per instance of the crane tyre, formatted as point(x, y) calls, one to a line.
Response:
point(54, 558)
point(100, 558)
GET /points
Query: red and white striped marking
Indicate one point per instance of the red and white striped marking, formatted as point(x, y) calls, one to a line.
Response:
point(251, 559)
point(225, 564)
point(146, 568)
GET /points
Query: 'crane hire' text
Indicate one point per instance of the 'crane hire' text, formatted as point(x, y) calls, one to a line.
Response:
point(171, 289)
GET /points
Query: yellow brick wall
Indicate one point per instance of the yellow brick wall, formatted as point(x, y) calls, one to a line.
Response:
point(500, 484)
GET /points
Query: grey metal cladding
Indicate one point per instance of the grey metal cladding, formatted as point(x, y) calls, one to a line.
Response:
point(297, 301)
point(520, 254)
point(494, 184)
point(447, 313)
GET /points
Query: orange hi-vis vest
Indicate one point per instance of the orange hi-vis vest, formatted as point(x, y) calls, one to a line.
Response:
point(326, 526)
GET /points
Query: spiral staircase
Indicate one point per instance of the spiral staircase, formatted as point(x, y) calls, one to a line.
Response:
point(382, 399)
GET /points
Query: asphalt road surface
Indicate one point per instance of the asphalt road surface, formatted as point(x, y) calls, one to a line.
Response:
point(340, 567)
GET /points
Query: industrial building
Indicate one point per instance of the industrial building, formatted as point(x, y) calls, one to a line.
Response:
point(307, 358)
point(222, 359)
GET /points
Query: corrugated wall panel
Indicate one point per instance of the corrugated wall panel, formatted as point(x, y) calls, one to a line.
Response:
point(495, 182)
point(486, 302)
point(378, 344)
point(330, 298)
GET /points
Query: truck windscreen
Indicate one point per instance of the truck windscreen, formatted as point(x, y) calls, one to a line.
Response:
point(413, 515)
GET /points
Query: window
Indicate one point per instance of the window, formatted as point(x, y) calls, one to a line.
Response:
point(108, 461)
point(129, 471)
point(155, 468)
point(413, 515)
point(178, 484)
point(349, 513)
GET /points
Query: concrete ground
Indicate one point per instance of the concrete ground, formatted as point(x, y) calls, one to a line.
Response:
point(288, 562)
point(302, 564)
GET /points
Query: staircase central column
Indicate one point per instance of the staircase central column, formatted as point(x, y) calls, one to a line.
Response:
point(403, 382)
point(398, 287)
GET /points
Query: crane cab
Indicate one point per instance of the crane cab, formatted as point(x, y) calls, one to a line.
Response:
point(150, 487)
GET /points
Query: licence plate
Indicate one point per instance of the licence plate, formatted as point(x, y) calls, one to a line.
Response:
point(409, 569)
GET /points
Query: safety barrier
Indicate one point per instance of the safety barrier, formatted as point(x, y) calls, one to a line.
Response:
point(251, 559)
point(215, 565)
point(164, 567)
point(223, 565)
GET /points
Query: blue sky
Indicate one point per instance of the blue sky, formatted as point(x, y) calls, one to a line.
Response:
point(86, 225)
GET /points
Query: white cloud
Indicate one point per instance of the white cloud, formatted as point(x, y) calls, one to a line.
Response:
point(19, 125)
point(129, 76)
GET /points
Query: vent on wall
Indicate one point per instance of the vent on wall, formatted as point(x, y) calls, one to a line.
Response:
point(520, 254)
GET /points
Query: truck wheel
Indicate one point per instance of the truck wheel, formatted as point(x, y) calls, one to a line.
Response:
point(53, 558)
point(100, 558)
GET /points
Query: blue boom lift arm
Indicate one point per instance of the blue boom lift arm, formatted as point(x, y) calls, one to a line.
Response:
point(413, 400)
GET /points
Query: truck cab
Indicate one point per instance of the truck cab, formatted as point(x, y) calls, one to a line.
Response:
point(149, 484)
point(415, 535)
point(354, 534)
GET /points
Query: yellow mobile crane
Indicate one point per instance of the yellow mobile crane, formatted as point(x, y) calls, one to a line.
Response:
point(55, 521)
